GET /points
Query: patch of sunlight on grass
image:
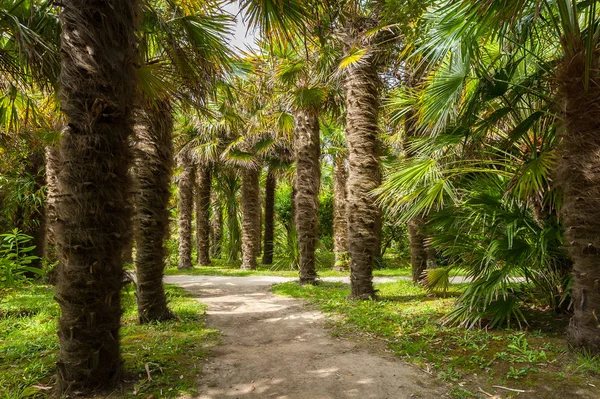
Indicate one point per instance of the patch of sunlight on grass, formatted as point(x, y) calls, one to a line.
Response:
point(407, 320)
point(29, 344)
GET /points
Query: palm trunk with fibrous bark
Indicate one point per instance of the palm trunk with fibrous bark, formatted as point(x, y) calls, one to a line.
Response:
point(418, 254)
point(340, 223)
point(269, 234)
point(362, 102)
point(185, 188)
point(152, 175)
point(52, 170)
point(203, 186)
point(579, 176)
point(216, 226)
point(250, 216)
point(308, 181)
point(98, 86)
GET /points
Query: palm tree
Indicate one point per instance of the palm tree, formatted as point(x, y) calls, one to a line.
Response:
point(573, 27)
point(152, 175)
point(98, 85)
point(216, 226)
point(305, 73)
point(334, 144)
point(52, 165)
point(251, 222)
point(269, 235)
point(211, 138)
point(203, 186)
point(361, 87)
point(281, 26)
point(185, 188)
point(340, 217)
point(307, 183)
point(184, 50)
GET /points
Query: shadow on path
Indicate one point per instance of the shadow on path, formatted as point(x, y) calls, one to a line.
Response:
point(276, 347)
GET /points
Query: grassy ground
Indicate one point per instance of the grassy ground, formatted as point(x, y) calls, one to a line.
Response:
point(173, 351)
point(406, 319)
point(222, 268)
point(324, 268)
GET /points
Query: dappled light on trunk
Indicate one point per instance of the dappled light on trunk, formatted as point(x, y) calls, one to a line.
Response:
point(250, 217)
point(93, 216)
point(361, 90)
point(186, 208)
point(203, 189)
point(307, 184)
point(579, 174)
point(152, 176)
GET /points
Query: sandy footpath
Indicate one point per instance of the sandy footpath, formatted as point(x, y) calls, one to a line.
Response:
point(277, 347)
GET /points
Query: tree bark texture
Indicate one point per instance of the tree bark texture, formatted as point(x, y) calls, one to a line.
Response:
point(340, 223)
point(250, 217)
point(269, 235)
point(307, 150)
point(362, 103)
point(216, 226)
point(152, 175)
point(98, 86)
point(185, 187)
point(233, 227)
point(52, 194)
point(579, 176)
point(203, 188)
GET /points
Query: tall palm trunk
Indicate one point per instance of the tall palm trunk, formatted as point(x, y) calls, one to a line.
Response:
point(186, 207)
point(340, 223)
point(216, 226)
point(98, 87)
point(203, 186)
point(269, 235)
point(250, 217)
point(52, 170)
point(307, 153)
point(362, 104)
point(152, 174)
point(233, 229)
point(579, 174)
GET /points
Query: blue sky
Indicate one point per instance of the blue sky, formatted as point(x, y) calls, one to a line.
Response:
point(242, 38)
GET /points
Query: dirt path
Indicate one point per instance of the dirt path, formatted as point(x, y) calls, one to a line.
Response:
point(276, 347)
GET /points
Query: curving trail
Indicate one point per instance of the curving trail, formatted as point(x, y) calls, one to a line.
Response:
point(277, 347)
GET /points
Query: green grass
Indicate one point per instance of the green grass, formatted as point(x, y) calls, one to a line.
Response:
point(222, 268)
point(29, 345)
point(394, 268)
point(406, 320)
